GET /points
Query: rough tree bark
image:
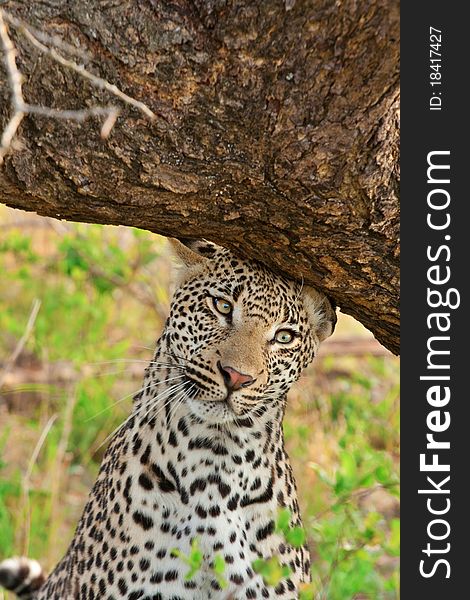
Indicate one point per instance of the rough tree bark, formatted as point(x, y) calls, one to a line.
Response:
point(277, 133)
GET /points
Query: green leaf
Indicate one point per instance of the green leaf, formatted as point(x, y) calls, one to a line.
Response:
point(382, 474)
point(296, 537)
point(348, 465)
point(196, 557)
point(307, 593)
point(271, 570)
point(258, 565)
point(283, 520)
point(393, 545)
point(219, 564)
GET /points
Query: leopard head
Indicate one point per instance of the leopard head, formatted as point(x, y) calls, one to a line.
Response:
point(241, 333)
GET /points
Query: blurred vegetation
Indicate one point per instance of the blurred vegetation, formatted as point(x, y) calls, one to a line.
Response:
point(67, 375)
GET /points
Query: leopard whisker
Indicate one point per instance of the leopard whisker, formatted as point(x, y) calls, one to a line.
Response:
point(164, 394)
point(155, 384)
point(173, 388)
point(178, 402)
point(135, 413)
point(146, 387)
point(128, 360)
point(124, 372)
point(155, 364)
point(174, 355)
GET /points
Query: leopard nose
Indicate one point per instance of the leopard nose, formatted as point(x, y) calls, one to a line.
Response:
point(234, 380)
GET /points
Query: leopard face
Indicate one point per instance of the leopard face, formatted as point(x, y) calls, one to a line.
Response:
point(241, 333)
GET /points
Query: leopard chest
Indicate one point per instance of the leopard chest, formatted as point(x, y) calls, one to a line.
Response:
point(221, 496)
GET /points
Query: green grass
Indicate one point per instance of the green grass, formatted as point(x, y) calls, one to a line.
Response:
point(104, 298)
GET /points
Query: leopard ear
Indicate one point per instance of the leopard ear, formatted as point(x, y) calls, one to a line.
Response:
point(322, 312)
point(187, 257)
point(193, 252)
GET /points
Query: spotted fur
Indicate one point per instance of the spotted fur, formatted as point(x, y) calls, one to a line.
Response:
point(198, 457)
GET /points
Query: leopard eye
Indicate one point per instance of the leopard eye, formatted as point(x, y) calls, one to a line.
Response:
point(284, 336)
point(222, 306)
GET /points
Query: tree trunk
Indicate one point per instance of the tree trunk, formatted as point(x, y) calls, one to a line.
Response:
point(277, 133)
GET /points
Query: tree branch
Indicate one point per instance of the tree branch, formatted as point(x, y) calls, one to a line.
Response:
point(21, 108)
point(278, 135)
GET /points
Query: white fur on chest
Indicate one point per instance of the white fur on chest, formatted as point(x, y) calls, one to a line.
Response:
point(228, 507)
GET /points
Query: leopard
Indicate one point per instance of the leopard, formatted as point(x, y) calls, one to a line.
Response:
point(200, 462)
